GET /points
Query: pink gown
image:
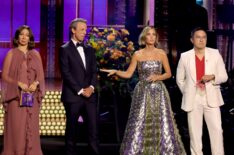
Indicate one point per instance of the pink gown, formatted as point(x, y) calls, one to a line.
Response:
point(21, 124)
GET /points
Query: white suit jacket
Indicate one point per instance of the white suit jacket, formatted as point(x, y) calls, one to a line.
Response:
point(186, 78)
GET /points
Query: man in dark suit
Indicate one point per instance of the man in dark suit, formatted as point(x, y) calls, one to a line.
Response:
point(79, 73)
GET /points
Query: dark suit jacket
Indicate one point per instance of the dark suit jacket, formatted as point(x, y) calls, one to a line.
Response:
point(75, 76)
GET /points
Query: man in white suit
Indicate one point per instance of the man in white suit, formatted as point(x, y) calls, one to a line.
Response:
point(200, 72)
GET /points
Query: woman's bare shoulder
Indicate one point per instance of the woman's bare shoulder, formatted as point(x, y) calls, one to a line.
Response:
point(137, 54)
point(161, 51)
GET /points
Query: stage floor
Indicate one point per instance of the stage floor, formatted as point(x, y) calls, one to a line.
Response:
point(109, 143)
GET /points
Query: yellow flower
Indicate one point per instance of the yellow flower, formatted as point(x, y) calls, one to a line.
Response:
point(119, 42)
point(130, 48)
point(95, 29)
point(124, 32)
point(125, 39)
point(122, 46)
point(106, 51)
point(102, 61)
point(105, 30)
point(94, 45)
point(102, 45)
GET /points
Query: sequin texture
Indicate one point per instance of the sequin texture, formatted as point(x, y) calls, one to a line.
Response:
point(151, 128)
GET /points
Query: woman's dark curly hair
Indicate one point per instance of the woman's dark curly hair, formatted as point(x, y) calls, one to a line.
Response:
point(31, 43)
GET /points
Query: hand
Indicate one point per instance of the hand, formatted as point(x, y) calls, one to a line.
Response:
point(23, 86)
point(87, 92)
point(153, 78)
point(207, 78)
point(109, 71)
point(33, 86)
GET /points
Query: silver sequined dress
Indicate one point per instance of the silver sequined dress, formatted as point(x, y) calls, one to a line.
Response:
point(151, 128)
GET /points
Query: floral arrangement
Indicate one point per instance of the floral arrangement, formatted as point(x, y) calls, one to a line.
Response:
point(113, 51)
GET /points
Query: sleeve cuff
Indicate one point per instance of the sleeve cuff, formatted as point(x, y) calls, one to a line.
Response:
point(80, 92)
point(92, 87)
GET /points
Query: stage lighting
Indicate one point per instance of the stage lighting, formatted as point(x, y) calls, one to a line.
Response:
point(52, 115)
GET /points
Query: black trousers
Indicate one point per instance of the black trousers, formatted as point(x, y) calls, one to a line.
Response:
point(73, 111)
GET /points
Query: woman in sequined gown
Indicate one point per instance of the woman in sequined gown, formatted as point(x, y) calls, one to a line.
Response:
point(151, 128)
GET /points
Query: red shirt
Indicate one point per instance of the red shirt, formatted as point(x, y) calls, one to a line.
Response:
point(200, 67)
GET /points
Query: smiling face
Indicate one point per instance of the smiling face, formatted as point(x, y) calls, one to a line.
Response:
point(199, 39)
point(79, 31)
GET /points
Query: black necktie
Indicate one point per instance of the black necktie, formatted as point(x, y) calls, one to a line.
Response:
point(80, 44)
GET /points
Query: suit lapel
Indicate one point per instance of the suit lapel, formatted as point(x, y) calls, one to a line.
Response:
point(192, 66)
point(76, 54)
point(207, 61)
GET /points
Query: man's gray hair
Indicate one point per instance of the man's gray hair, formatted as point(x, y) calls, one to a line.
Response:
point(73, 24)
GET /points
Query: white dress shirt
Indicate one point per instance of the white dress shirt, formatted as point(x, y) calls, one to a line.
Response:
point(80, 50)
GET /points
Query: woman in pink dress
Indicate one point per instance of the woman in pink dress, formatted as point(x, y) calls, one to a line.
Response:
point(22, 72)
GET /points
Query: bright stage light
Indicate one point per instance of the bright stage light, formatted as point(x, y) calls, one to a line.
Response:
point(52, 115)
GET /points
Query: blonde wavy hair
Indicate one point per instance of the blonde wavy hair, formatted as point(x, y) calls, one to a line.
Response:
point(143, 34)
